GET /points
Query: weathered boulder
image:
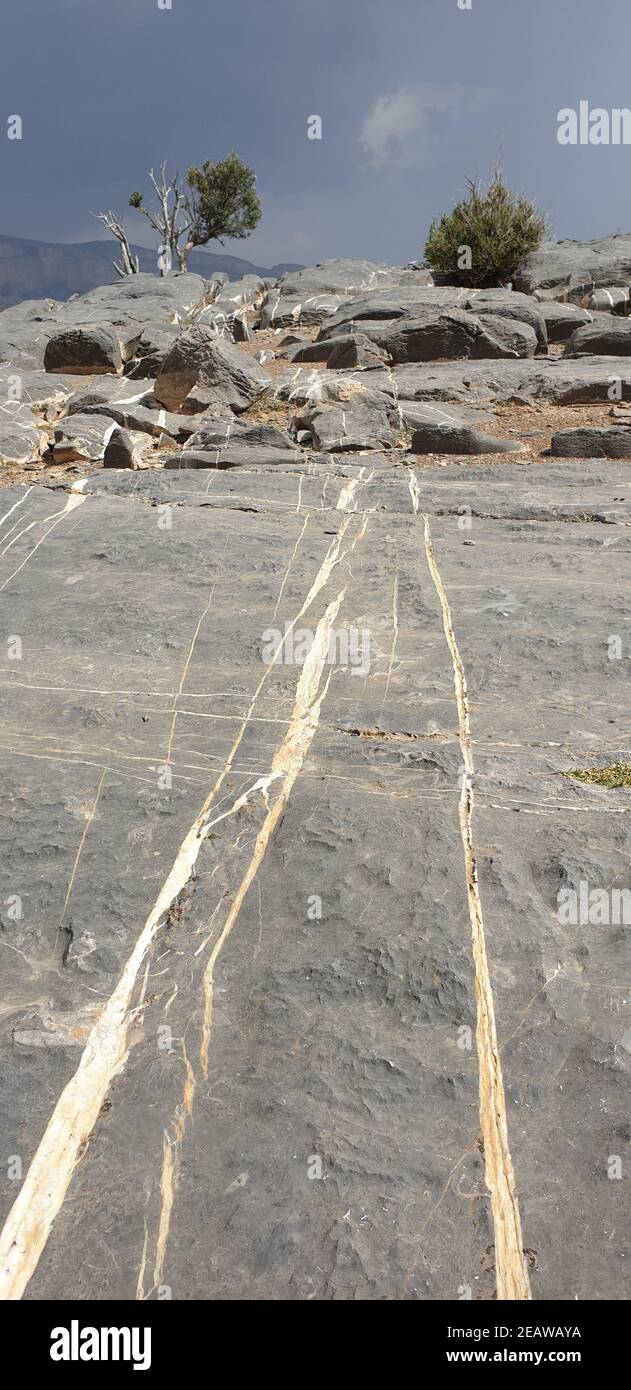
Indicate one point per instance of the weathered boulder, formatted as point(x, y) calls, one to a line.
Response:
point(450, 334)
point(140, 299)
point(311, 352)
point(211, 434)
point(237, 455)
point(150, 351)
point(562, 320)
point(572, 269)
point(346, 350)
point(199, 358)
point(127, 309)
point(610, 442)
point(522, 308)
point(605, 337)
point(459, 439)
point(404, 302)
point(88, 351)
point(81, 437)
point(413, 302)
point(612, 300)
point(20, 439)
point(336, 429)
point(517, 338)
point(354, 351)
point(125, 450)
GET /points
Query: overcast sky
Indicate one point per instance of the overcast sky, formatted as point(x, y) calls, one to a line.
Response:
point(413, 94)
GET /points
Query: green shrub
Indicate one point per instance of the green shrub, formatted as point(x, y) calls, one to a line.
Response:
point(486, 237)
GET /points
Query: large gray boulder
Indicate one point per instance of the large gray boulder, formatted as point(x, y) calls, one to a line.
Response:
point(150, 350)
point(459, 439)
point(450, 334)
point(591, 442)
point(336, 429)
point(81, 437)
point(125, 450)
point(612, 300)
point(521, 308)
point(343, 351)
point(572, 269)
point(407, 301)
point(20, 440)
point(199, 358)
point(364, 314)
point(89, 351)
point(606, 337)
point(354, 351)
point(519, 339)
point(127, 309)
point(562, 320)
point(214, 434)
point(140, 298)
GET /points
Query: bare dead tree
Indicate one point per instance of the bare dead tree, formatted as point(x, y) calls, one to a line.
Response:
point(169, 220)
point(130, 263)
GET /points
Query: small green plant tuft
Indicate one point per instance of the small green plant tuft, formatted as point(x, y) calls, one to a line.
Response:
point(618, 775)
point(484, 240)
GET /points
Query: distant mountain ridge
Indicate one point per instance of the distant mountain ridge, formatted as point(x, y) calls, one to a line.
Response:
point(50, 270)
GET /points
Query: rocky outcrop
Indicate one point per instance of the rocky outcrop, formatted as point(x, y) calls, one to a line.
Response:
point(310, 296)
point(571, 270)
point(162, 366)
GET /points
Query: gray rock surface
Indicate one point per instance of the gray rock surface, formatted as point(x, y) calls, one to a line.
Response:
point(329, 867)
point(354, 351)
point(240, 454)
point(209, 433)
point(136, 307)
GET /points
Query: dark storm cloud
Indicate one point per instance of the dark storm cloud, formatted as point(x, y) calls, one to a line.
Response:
point(413, 94)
